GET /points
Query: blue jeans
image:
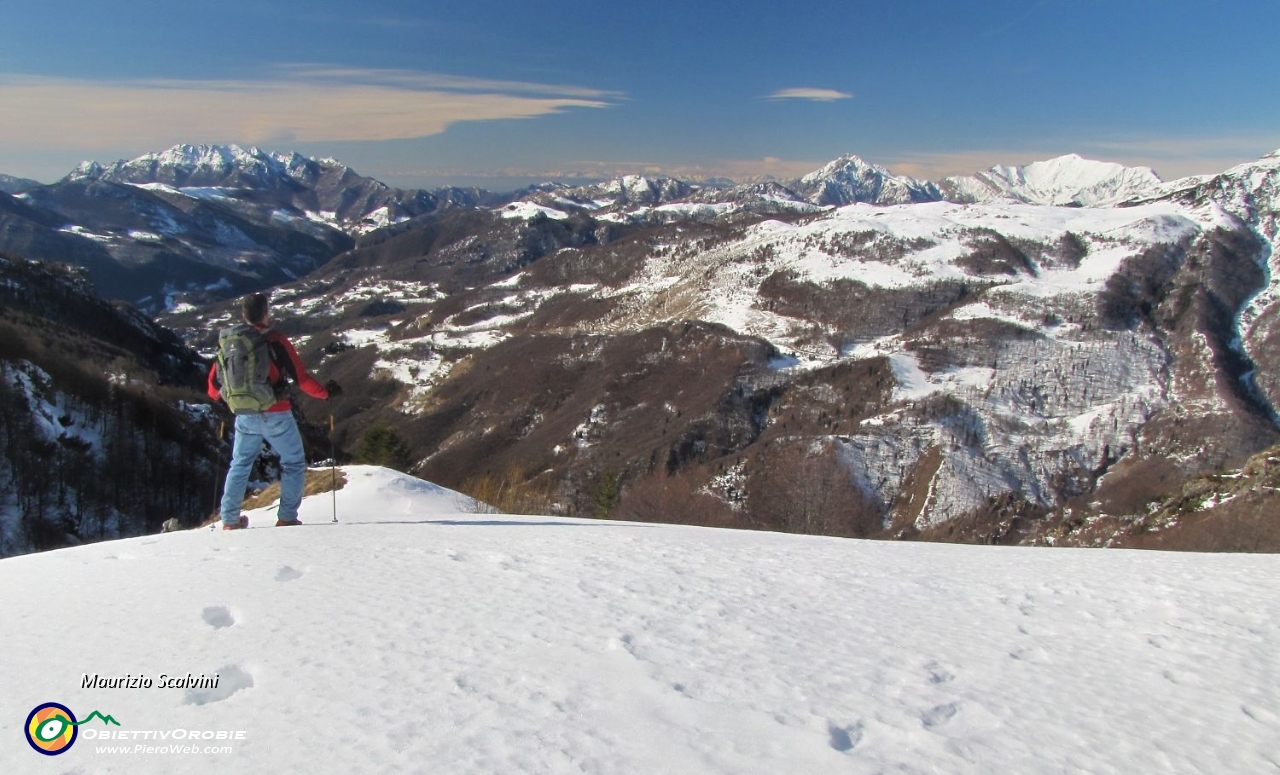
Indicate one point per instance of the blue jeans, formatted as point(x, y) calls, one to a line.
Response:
point(281, 430)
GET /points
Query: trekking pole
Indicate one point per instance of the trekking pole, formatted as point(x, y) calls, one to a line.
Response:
point(333, 467)
point(217, 458)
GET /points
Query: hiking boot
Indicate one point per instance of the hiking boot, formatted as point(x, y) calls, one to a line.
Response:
point(241, 524)
point(287, 522)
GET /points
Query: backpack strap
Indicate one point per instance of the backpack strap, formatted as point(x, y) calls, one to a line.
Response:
point(281, 360)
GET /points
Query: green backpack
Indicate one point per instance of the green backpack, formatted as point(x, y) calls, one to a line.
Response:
point(244, 367)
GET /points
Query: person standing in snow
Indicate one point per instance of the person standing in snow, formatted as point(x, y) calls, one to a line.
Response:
point(274, 423)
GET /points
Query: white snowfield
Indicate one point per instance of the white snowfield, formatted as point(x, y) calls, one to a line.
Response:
point(417, 637)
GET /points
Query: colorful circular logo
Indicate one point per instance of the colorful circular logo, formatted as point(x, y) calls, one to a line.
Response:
point(51, 728)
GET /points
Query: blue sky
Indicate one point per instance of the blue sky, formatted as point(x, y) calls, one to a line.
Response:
point(501, 93)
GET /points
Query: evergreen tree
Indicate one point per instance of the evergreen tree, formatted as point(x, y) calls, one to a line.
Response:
point(607, 494)
point(382, 446)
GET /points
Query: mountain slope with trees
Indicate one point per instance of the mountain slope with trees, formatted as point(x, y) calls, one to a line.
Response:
point(103, 429)
point(994, 369)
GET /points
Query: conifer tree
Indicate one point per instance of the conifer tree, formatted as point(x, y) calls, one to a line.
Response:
point(382, 446)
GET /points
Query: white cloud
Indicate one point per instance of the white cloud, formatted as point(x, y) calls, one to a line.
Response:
point(303, 104)
point(816, 95)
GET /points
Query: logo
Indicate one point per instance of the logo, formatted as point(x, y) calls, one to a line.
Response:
point(52, 728)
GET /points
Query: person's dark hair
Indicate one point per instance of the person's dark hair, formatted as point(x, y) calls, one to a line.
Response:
point(254, 308)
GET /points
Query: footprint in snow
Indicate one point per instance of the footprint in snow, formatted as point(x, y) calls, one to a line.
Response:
point(287, 573)
point(1260, 715)
point(1032, 654)
point(229, 680)
point(939, 674)
point(939, 715)
point(217, 617)
point(844, 738)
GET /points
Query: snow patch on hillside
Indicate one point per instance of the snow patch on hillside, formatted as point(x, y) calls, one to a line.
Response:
point(528, 210)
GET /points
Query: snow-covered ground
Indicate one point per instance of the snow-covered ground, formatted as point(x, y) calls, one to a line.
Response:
point(419, 636)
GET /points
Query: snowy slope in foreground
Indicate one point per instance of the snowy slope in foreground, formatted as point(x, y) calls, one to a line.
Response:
point(412, 638)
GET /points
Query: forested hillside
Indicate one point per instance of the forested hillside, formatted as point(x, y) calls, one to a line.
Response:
point(103, 429)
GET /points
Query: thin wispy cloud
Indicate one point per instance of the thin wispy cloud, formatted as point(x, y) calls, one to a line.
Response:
point(412, 79)
point(303, 103)
point(813, 95)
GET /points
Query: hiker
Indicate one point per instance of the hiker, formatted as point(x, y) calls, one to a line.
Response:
point(256, 392)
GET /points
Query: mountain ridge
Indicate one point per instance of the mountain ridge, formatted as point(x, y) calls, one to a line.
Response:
point(1067, 179)
point(1063, 354)
point(323, 189)
point(606, 347)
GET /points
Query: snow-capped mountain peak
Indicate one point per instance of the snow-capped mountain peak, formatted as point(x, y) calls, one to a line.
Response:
point(1064, 180)
point(217, 157)
point(311, 193)
point(214, 165)
point(200, 165)
point(851, 179)
point(86, 169)
point(643, 189)
point(847, 165)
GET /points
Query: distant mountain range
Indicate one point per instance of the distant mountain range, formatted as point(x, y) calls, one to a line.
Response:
point(1051, 353)
point(279, 186)
point(206, 221)
point(1048, 347)
point(1066, 181)
point(209, 220)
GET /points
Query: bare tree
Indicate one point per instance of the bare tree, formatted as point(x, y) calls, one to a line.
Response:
point(676, 498)
point(801, 490)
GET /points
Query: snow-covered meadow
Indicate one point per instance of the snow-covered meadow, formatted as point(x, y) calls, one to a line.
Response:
point(420, 635)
